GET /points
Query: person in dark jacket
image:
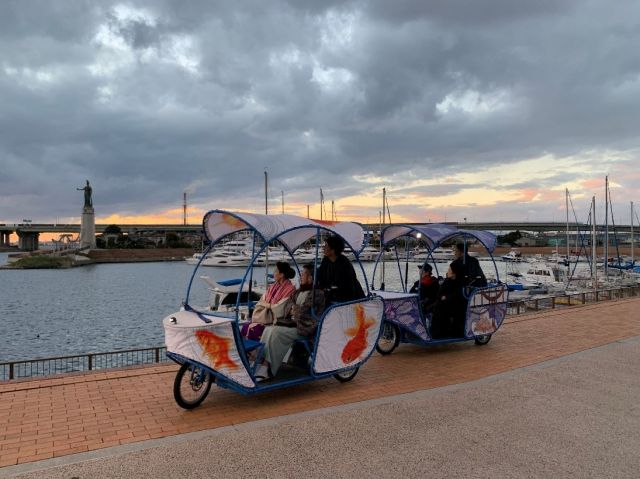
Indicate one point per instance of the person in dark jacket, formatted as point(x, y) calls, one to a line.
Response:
point(450, 309)
point(472, 272)
point(336, 275)
point(426, 287)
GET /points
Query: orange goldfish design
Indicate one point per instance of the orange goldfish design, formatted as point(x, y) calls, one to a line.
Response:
point(231, 220)
point(217, 348)
point(326, 222)
point(358, 342)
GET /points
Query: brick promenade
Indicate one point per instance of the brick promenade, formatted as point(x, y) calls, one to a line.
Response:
point(46, 418)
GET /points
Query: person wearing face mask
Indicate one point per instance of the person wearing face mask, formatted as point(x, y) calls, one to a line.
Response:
point(299, 322)
point(472, 272)
point(426, 287)
point(336, 275)
point(272, 304)
point(450, 308)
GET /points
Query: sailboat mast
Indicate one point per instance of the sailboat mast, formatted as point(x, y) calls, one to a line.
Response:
point(633, 259)
point(266, 212)
point(566, 200)
point(594, 275)
point(321, 203)
point(606, 226)
point(282, 195)
point(266, 189)
point(382, 223)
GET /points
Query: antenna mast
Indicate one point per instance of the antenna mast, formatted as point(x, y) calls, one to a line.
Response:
point(184, 208)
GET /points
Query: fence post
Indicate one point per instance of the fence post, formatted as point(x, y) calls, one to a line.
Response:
point(10, 370)
point(90, 362)
point(553, 302)
point(157, 355)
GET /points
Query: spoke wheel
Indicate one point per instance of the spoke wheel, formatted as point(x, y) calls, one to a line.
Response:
point(346, 376)
point(191, 386)
point(389, 339)
point(482, 340)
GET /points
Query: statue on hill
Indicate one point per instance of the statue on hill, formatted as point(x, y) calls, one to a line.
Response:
point(88, 202)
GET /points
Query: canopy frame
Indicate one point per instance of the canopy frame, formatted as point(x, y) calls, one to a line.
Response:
point(314, 227)
point(434, 235)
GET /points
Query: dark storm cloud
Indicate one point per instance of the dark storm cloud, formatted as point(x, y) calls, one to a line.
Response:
point(149, 98)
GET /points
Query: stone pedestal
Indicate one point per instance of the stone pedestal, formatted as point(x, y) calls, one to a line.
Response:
point(88, 228)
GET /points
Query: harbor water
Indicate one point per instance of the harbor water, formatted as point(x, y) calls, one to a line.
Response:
point(108, 307)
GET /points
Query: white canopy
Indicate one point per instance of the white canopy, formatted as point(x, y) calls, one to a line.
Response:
point(290, 230)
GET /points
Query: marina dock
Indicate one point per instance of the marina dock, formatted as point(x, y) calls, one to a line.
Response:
point(584, 357)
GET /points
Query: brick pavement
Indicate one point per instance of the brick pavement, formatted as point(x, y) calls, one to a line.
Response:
point(45, 418)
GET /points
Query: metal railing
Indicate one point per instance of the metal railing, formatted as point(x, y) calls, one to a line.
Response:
point(81, 362)
point(533, 303)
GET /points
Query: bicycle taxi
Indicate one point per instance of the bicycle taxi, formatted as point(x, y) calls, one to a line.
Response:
point(208, 344)
point(405, 320)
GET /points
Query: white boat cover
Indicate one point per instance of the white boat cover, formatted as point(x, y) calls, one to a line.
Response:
point(348, 335)
point(211, 344)
point(290, 230)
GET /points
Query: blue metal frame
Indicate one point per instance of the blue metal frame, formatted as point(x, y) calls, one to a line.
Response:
point(224, 381)
point(404, 332)
point(436, 244)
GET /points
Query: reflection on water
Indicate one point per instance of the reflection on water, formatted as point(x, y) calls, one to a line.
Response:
point(113, 306)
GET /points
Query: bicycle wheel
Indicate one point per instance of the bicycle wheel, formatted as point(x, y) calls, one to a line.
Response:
point(346, 376)
point(389, 339)
point(191, 386)
point(482, 340)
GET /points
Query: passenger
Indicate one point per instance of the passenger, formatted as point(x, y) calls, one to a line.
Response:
point(299, 323)
point(272, 304)
point(336, 275)
point(426, 287)
point(473, 275)
point(450, 309)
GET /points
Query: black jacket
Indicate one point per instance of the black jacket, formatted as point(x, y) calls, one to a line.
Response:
point(339, 281)
point(473, 274)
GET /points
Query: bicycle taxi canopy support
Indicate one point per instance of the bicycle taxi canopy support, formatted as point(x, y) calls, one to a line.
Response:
point(209, 344)
point(405, 319)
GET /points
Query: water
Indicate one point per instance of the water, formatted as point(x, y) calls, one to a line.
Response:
point(89, 309)
point(108, 307)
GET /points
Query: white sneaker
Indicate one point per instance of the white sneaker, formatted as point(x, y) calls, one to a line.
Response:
point(262, 373)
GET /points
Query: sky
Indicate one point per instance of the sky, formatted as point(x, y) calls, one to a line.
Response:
point(460, 109)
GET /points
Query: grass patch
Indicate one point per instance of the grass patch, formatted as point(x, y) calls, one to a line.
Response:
point(42, 262)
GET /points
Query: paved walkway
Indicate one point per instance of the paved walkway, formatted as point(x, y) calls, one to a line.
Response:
point(43, 419)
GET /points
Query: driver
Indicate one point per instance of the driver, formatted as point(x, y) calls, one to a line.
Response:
point(336, 275)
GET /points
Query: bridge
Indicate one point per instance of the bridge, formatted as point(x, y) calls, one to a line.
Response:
point(28, 233)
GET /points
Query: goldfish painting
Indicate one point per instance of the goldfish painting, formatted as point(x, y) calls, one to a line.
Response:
point(216, 348)
point(358, 342)
point(230, 220)
point(484, 325)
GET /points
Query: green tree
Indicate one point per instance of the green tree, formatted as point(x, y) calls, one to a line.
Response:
point(510, 238)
